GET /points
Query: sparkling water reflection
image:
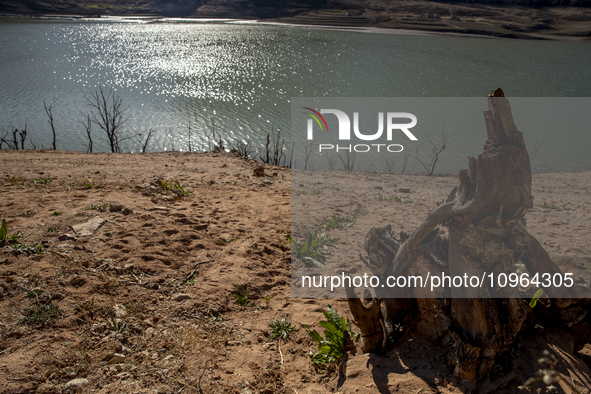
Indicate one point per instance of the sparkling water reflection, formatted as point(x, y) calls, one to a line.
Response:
point(237, 79)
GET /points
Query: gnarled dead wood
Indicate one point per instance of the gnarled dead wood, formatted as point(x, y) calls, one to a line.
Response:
point(484, 218)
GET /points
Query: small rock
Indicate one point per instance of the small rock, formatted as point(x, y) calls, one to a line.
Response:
point(67, 237)
point(214, 312)
point(404, 189)
point(129, 267)
point(181, 297)
point(117, 358)
point(116, 207)
point(77, 383)
point(119, 311)
point(57, 296)
point(158, 208)
point(148, 323)
point(85, 229)
point(233, 343)
point(229, 371)
point(149, 332)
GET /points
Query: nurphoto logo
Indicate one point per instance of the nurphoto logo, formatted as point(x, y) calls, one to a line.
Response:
point(393, 124)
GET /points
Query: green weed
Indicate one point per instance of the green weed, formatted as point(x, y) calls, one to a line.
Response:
point(4, 233)
point(117, 325)
point(535, 298)
point(87, 308)
point(281, 328)
point(312, 250)
point(549, 375)
point(91, 185)
point(381, 197)
point(56, 213)
point(53, 229)
point(28, 249)
point(242, 296)
point(98, 208)
point(338, 221)
point(43, 181)
point(41, 314)
point(175, 187)
point(337, 333)
point(548, 206)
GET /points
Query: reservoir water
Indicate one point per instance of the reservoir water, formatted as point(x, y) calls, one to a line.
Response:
point(238, 79)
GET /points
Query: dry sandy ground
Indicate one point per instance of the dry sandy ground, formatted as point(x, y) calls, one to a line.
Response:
point(148, 298)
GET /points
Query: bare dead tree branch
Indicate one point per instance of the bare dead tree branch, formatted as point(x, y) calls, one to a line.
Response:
point(50, 116)
point(108, 113)
point(405, 162)
point(147, 140)
point(349, 163)
point(88, 126)
point(190, 147)
point(436, 151)
point(23, 136)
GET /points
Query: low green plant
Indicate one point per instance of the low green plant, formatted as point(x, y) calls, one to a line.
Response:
point(34, 293)
point(313, 249)
point(98, 208)
point(91, 185)
point(180, 188)
point(332, 347)
point(545, 205)
point(53, 229)
point(87, 308)
point(534, 300)
point(188, 284)
point(117, 325)
point(176, 186)
point(4, 233)
point(281, 329)
point(549, 375)
point(41, 314)
point(28, 249)
point(381, 197)
point(338, 221)
point(43, 181)
point(242, 296)
point(267, 301)
point(56, 213)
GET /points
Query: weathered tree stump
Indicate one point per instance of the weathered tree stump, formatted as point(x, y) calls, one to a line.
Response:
point(478, 229)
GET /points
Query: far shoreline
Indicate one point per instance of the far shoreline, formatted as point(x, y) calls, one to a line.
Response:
point(484, 30)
